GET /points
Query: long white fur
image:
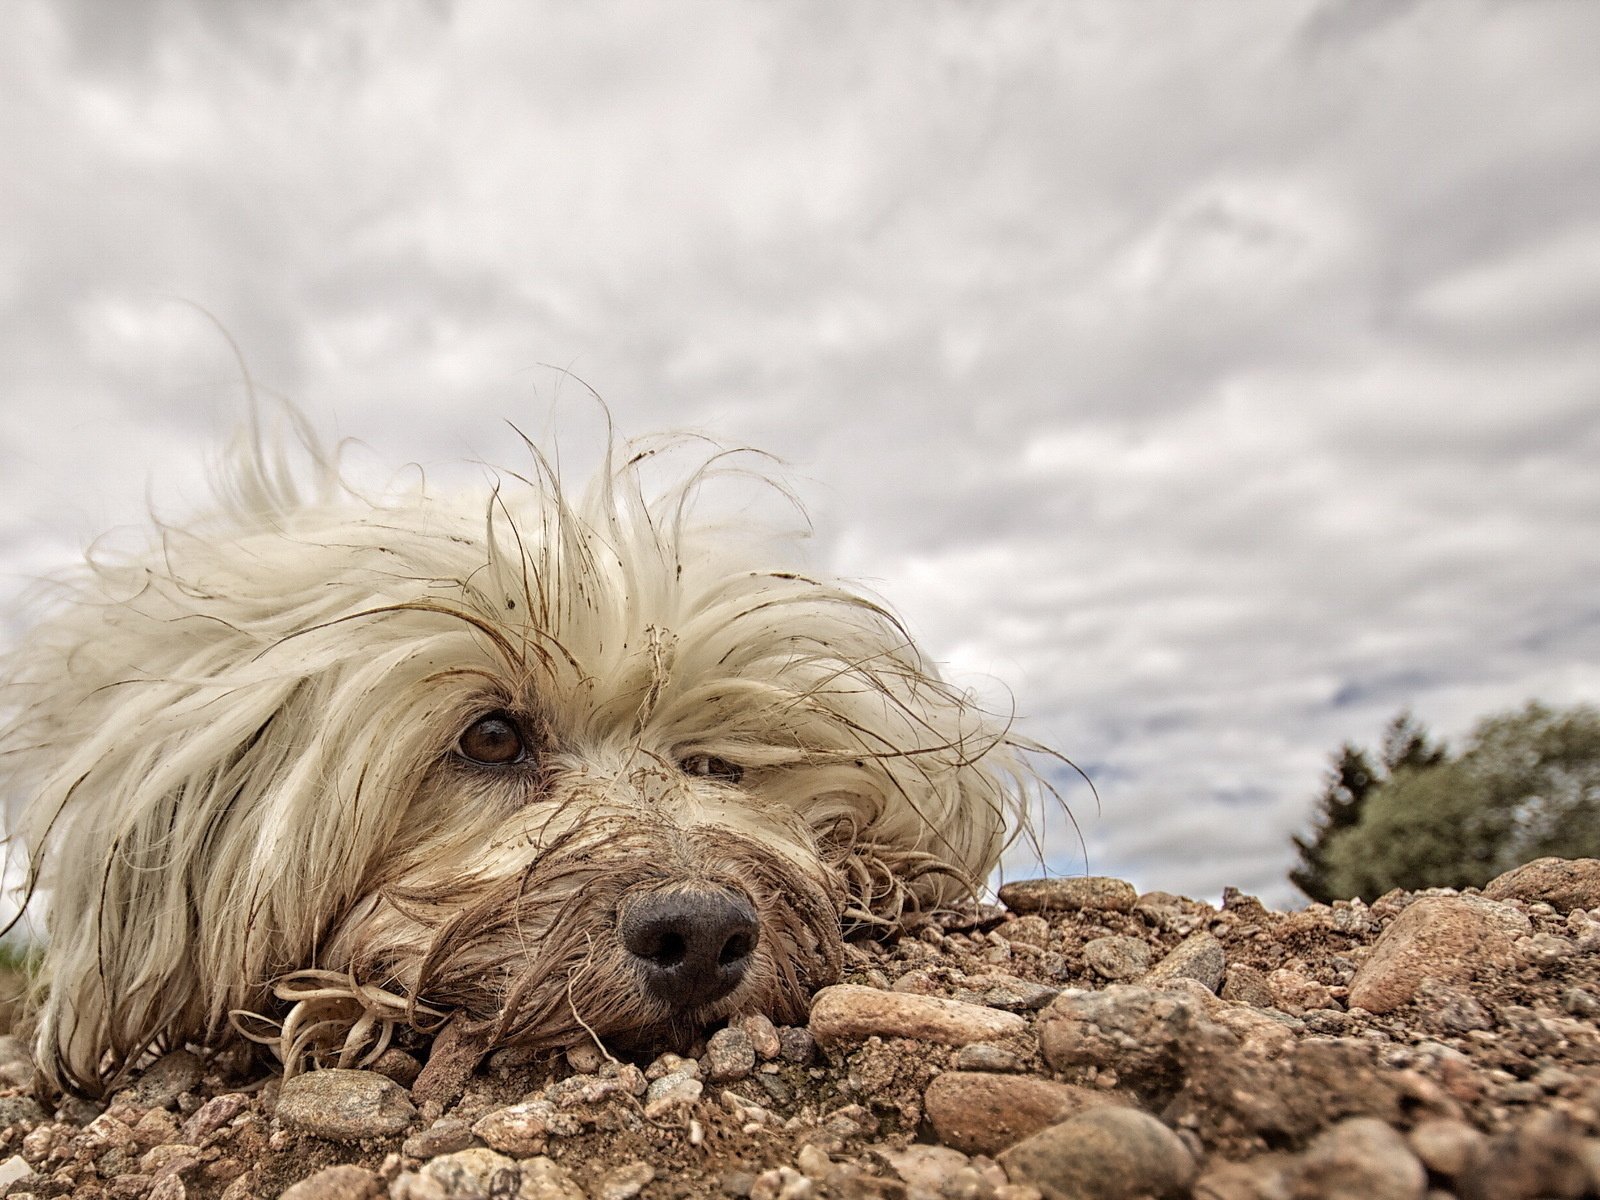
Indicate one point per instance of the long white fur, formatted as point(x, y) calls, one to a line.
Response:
point(229, 753)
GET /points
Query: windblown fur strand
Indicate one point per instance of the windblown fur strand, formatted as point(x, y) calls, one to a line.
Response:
point(230, 760)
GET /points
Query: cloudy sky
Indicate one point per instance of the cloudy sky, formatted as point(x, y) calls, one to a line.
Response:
point(1217, 379)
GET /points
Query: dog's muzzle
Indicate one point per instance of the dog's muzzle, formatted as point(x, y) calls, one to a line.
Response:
point(690, 948)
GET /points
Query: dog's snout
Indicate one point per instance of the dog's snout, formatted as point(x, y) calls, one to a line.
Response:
point(691, 948)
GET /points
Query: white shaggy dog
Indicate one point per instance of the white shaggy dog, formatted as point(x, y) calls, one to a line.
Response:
point(319, 769)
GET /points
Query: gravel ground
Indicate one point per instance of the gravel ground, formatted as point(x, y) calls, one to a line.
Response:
point(1081, 1041)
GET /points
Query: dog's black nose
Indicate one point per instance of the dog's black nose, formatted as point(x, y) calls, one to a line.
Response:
point(691, 948)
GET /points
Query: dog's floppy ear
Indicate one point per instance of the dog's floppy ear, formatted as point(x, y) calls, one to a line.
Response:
point(161, 766)
point(927, 820)
point(912, 789)
point(141, 796)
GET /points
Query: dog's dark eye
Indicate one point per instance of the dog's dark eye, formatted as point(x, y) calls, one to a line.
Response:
point(709, 766)
point(493, 741)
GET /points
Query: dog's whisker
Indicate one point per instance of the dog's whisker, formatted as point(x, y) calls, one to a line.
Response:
point(350, 768)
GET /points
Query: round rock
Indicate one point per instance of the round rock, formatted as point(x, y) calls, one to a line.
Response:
point(1117, 958)
point(763, 1035)
point(730, 1055)
point(1446, 938)
point(1108, 1153)
point(444, 1136)
point(925, 1168)
point(978, 1112)
point(1562, 883)
point(1135, 1030)
point(671, 1092)
point(544, 1179)
point(1446, 1147)
point(526, 1128)
point(1199, 957)
point(848, 1013)
point(624, 1182)
point(166, 1079)
point(796, 1045)
point(472, 1173)
point(1361, 1159)
point(1097, 892)
point(986, 1056)
point(1247, 985)
point(1294, 993)
point(14, 1170)
point(345, 1106)
point(212, 1116)
point(337, 1183)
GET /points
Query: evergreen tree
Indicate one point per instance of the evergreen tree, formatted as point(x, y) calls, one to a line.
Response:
point(1345, 787)
point(1406, 745)
point(1527, 785)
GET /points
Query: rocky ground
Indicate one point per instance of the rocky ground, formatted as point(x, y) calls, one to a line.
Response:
point(1082, 1041)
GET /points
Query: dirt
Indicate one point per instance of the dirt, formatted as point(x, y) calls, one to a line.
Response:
point(1251, 1057)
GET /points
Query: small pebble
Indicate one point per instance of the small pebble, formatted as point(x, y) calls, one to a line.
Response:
point(14, 1170)
point(173, 1159)
point(1108, 1153)
point(1361, 1159)
point(1449, 1010)
point(986, 1056)
point(845, 1013)
point(344, 1105)
point(1031, 930)
point(165, 1080)
point(796, 1045)
point(1563, 883)
point(813, 1161)
point(21, 1110)
point(1295, 994)
point(1544, 949)
point(585, 1058)
point(1247, 985)
point(1580, 1003)
point(1117, 958)
point(730, 1055)
point(212, 1116)
point(763, 1035)
point(624, 1182)
point(782, 1183)
point(454, 1176)
point(925, 1168)
point(542, 1179)
point(1007, 992)
point(525, 1129)
point(337, 1183)
point(1444, 938)
point(445, 1136)
point(983, 1113)
point(399, 1066)
point(1137, 1031)
point(1446, 1147)
point(669, 1093)
point(1093, 892)
point(1199, 957)
point(672, 1064)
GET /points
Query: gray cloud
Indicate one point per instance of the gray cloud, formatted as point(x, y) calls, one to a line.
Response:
point(1211, 381)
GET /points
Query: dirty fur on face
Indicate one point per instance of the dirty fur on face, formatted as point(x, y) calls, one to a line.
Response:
point(321, 767)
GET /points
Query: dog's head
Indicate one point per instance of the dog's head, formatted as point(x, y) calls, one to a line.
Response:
point(558, 768)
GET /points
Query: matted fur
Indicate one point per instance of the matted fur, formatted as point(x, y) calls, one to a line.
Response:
point(231, 760)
